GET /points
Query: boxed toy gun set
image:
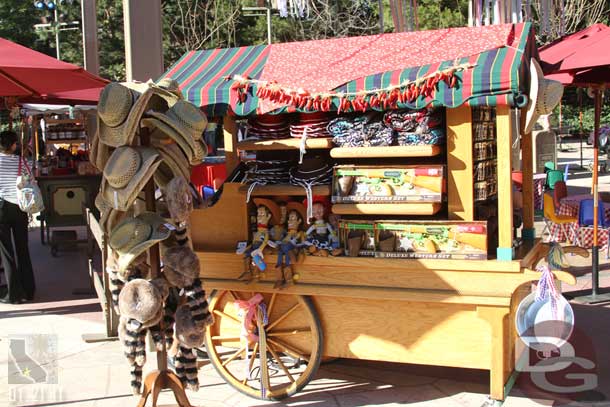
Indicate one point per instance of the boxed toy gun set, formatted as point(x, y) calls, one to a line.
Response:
point(415, 239)
point(373, 184)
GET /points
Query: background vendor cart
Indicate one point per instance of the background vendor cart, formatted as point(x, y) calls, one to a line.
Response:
point(457, 313)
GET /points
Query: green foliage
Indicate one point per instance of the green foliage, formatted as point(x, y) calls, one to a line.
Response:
point(17, 19)
point(571, 113)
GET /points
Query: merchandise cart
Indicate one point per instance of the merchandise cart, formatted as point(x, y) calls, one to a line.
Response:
point(429, 311)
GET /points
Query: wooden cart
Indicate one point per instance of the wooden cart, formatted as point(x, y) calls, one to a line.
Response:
point(457, 313)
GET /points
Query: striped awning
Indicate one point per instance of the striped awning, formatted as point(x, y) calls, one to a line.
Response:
point(498, 77)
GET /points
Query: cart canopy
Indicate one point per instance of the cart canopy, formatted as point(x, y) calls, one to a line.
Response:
point(497, 56)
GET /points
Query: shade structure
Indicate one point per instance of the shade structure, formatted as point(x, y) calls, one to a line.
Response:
point(35, 77)
point(582, 59)
point(499, 55)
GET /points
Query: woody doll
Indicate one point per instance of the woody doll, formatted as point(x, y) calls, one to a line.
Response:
point(267, 212)
point(321, 235)
point(289, 246)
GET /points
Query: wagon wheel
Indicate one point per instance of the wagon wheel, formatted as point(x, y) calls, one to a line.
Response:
point(291, 343)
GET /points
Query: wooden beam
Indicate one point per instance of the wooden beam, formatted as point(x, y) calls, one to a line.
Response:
point(527, 167)
point(505, 184)
point(230, 139)
point(460, 188)
point(497, 318)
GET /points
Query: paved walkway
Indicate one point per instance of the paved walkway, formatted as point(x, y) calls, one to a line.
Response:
point(96, 375)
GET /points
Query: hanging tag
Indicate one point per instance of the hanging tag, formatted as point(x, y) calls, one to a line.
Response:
point(170, 226)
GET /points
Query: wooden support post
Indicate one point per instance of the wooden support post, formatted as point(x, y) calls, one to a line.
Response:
point(161, 378)
point(497, 318)
point(460, 188)
point(230, 139)
point(527, 168)
point(505, 184)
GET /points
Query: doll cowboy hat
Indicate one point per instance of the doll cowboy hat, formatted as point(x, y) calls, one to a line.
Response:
point(183, 122)
point(180, 266)
point(189, 333)
point(127, 171)
point(140, 300)
point(272, 206)
point(133, 236)
point(544, 95)
point(299, 208)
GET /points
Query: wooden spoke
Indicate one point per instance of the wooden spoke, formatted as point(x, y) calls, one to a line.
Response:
point(225, 315)
point(271, 304)
point(283, 347)
point(251, 364)
point(225, 338)
point(235, 355)
point(262, 340)
point(283, 317)
point(288, 332)
point(234, 295)
point(279, 362)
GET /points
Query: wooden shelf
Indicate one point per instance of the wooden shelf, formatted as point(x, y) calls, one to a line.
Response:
point(67, 141)
point(285, 144)
point(415, 208)
point(383, 152)
point(62, 121)
point(290, 190)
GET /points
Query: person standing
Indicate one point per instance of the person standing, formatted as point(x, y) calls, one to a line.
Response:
point(13, 227)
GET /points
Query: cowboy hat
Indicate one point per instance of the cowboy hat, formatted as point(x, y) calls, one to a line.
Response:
point(180, 266)
point(273, 208)
point(126, 172)
point(183, 122)
point(133, 236)
point(109, 216)
point(170, 85)
point(173, 164)
point(544, 95)
point(140, 300)
point(179, 199)
point(120, 108)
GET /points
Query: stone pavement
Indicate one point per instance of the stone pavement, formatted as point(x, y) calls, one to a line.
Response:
point(96, 375)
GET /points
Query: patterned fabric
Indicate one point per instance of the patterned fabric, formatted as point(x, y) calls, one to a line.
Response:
point(500, 52)
point(569, 207)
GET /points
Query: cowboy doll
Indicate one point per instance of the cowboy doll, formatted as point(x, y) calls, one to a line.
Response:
point(266, 212)
point(278, 231)
point(289, 246)
point(321, 234)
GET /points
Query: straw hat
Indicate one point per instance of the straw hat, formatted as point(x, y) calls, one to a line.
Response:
point(545, 94)
point(140, 300)
point(188, 332)
point(126, 172)
point(273, 208)
point(179, 199)
point(173, 164)
point(133, 236)
point(109, 217)
point(183, 122)
point(169, 85)
point(180, 266)
point(119, 110)
point(542, 328)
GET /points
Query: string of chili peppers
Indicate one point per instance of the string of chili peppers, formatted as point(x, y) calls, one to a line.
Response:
point(385, 98)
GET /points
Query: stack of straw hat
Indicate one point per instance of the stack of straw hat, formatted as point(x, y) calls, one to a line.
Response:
point(147, 132)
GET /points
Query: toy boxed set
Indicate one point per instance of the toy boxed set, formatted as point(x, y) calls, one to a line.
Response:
point(357, 237)
point(431, 239)
point(376, 184)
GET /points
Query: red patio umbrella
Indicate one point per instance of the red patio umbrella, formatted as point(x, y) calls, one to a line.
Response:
point(582, 59)
point(35, 77)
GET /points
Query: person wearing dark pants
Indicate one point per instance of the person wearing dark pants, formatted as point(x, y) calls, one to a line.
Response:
point(13, 228)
